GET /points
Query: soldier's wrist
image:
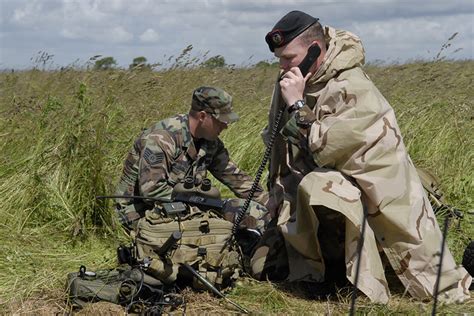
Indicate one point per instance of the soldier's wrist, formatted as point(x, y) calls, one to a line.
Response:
point(298, 104)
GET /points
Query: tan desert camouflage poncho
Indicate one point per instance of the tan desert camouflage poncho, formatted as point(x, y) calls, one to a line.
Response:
point(350, 130)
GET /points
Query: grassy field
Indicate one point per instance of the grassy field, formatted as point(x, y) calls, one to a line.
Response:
point(64, 136)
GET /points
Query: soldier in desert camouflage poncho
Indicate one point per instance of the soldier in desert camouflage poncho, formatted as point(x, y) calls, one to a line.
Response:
point(187, 145)
point(340, 152)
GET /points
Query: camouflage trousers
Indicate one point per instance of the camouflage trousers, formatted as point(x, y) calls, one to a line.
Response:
point(270, 259)
point(256, 217)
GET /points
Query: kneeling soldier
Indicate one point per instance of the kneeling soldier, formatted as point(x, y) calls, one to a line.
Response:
point(187, 146)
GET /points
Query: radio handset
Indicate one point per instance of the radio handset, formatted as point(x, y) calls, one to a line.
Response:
point(313, 53)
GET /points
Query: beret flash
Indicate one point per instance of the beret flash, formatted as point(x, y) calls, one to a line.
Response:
point(289, 27)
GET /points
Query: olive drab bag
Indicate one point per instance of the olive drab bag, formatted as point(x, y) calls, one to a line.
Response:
point(85, 286)
point(119, 286)
point(202, 244)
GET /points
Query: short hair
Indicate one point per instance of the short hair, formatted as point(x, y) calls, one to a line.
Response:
point(193, 113)
point(314, 32)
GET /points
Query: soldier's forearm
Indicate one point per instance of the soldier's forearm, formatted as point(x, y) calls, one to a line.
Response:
point(161, 191)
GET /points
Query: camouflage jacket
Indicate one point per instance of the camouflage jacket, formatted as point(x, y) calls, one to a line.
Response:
point(348, 126)
point(166, 153)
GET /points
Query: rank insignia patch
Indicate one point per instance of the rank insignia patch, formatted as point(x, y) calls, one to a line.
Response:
point(151, 158)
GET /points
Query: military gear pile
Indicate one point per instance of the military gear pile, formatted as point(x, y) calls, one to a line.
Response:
point(199, 240)
point(174, 245)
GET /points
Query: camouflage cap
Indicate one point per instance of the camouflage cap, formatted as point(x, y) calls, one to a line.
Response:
point(216, 102)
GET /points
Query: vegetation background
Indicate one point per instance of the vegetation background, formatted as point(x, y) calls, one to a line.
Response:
point(64, 135)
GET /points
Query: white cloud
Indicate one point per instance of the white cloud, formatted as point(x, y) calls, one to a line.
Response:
point(119, 35)
point(70, 34)
point(28, 14)
point(116, 34)
point(111, 5)
point(149, 36)
point(402, 38)
point(83, 12)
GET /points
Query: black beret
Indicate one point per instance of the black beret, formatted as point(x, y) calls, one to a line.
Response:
point(289, 27)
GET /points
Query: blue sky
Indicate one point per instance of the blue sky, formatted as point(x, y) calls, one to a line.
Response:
point(73, 31)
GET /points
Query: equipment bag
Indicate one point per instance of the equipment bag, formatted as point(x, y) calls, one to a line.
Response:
point(117, 286)
point(126, 286)
point(202, 239)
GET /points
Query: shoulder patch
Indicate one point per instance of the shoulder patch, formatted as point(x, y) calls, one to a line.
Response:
point(153, 159)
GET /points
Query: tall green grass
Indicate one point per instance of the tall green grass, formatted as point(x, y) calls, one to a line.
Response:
point(64, 136)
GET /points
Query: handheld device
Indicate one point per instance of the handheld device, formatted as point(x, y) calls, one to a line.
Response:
point(313, 53)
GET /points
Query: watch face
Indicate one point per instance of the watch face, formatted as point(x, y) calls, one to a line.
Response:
point(299, 104)
point(296, 106)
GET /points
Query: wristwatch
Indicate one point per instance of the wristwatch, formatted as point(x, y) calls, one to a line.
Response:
point(296, 106)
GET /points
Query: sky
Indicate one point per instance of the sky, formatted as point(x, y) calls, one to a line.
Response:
point(70, 32)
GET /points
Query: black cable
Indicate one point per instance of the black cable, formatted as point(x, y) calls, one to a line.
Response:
point(260, 170)
point(142, 278)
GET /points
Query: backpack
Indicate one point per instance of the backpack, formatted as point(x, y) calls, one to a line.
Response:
point(174, 234)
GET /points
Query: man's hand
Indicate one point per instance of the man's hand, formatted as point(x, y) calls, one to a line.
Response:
point(292, 85)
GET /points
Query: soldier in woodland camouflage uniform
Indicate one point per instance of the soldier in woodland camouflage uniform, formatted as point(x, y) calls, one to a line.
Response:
point(340, 153)
point(187, 145)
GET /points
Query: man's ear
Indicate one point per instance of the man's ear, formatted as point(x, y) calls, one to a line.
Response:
point(201, 115)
